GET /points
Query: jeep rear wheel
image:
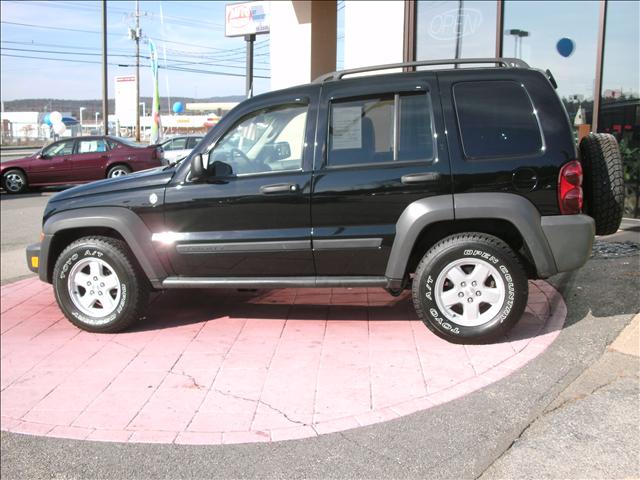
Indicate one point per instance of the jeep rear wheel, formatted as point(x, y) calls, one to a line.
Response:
point(603, 181)
point(98, 286)
point(470, 288)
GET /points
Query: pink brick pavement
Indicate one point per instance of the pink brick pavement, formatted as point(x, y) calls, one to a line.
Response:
point(214, 367)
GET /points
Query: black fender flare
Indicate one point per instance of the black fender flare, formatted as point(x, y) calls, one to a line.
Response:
point(124, 221)
point(515, 209)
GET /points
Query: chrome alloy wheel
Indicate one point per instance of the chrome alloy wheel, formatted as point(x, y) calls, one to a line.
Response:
point(14, 182)
point(118, 172)
point(470, 292)
point(94, 287)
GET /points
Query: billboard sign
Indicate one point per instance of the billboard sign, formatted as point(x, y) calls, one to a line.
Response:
point(126, 105)
point(246, 18)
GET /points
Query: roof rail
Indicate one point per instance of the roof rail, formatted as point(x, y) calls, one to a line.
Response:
point(504, 62)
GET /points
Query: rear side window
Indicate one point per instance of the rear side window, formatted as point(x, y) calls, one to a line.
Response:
point(496, 119)
point(382, 129)
point(92, 146)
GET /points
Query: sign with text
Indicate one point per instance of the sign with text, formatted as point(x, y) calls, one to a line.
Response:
point(246, 18)
point(126, 99)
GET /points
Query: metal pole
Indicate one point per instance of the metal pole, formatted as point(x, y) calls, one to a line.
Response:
point(105, 90)
point(499, 27)
point(249, 85)
point(137, 70)
point(597, 94)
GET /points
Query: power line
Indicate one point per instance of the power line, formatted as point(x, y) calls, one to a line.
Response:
point(170, 67)
point(77, 30)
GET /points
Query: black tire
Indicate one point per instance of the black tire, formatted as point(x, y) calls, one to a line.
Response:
point(118, 171)
point(603, 181)
point(483, 250)
point(132, 286)
point(14, 181)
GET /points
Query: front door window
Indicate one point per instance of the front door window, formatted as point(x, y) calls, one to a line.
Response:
point(59, 149)
point(268, 140)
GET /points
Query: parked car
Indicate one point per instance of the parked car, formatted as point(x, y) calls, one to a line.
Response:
point(459, 184)
point(178, 147)
point(78, 160)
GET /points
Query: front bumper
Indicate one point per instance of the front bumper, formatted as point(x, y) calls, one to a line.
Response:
point(570, 238)
point(33, 257)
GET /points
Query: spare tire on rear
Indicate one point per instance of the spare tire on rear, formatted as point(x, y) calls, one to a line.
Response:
point(603, 181)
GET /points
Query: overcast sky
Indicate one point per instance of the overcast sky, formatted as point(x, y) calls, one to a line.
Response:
point(190, 33)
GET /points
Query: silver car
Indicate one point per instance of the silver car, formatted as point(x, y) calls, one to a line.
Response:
point(177, 147)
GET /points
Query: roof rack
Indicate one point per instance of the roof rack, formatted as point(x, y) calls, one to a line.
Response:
point(504, 62)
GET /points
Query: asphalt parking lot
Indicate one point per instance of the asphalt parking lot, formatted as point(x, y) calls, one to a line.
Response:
point(572, 412)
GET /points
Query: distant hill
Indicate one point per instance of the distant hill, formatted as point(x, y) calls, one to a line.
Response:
point(95, 105)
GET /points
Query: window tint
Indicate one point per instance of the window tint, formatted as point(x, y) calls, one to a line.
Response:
point(264, 141)
point(415, 138)
point(61, 148)
point(91, 146)
point(496, 119)
point(362, 131)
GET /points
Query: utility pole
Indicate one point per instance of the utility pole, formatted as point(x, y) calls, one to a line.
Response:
point(137, 70)
point(105, 90)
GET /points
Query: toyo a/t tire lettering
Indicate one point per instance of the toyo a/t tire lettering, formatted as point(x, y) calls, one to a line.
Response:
point(99, 286)
point(470, 288)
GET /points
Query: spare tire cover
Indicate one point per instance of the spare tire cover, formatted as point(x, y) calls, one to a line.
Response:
point(603, 181)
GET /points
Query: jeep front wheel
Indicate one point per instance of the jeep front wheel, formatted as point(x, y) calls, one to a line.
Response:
point(98, 286)
point(470, 288)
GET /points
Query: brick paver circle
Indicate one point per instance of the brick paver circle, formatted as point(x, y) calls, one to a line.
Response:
point(211, 367)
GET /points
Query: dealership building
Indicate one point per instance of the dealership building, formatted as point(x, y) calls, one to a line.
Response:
point(591, 48)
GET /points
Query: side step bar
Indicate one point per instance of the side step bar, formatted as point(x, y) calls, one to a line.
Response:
point(274, 282)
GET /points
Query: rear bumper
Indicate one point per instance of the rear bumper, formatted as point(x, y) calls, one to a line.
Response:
point(570, 238)
point(33, 257)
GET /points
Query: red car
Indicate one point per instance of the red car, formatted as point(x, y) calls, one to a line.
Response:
point(79, 160)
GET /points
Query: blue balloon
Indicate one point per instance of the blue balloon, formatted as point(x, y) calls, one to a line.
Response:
point(565, 47)
point(178, 107)
point(46, 119)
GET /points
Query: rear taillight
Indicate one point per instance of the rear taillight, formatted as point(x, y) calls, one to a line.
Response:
point(570, 196)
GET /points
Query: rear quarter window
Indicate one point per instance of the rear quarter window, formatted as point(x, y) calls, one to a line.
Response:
point(496, 119)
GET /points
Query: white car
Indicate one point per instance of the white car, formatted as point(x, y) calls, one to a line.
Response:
point(177, 147)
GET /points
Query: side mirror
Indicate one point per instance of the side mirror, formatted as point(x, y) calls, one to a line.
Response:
point(220, 169)
point(198, 167)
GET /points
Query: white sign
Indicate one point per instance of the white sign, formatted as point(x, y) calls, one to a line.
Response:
point(246, 18)
point(126, 103)
point(347, 127)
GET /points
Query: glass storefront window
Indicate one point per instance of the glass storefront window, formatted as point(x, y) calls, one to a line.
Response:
point(455, 29)
point(620, 104)
point(563, 37)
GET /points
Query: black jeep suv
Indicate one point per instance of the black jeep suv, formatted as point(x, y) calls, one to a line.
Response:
point(459, 183)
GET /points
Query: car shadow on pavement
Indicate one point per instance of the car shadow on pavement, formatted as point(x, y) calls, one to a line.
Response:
point(183, 307)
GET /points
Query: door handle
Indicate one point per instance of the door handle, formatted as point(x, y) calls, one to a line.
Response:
point(279, 188)
point(420, 178)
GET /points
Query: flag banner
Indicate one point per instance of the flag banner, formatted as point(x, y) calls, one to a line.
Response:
point(155, 102)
